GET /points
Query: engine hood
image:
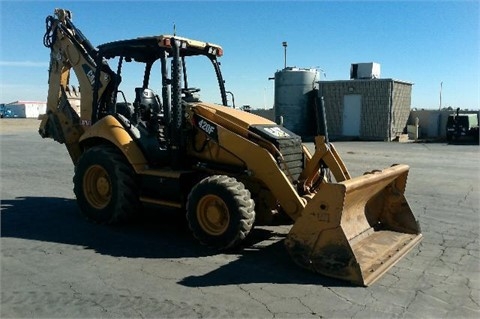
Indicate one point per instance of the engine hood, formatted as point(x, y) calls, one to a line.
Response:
point(229, 117)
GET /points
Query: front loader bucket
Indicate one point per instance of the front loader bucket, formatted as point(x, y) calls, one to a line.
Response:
point(357, 229)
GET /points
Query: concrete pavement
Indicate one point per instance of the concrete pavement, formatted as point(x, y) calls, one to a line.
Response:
point(56, 264)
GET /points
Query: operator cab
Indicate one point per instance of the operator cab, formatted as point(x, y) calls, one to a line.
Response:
point(154, 109)
point(149, 50)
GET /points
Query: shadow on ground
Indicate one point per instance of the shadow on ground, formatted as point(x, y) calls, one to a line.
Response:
point(464, 142)
point(154, 235)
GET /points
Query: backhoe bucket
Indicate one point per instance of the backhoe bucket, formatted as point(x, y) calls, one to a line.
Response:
point(357, 229)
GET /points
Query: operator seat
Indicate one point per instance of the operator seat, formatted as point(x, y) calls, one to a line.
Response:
point(149, 108)
point(147, 103)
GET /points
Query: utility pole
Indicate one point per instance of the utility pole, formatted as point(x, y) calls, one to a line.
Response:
point(284, 43)
point(441, 87)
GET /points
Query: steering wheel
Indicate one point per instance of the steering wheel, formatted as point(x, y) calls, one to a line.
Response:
point(190, 90)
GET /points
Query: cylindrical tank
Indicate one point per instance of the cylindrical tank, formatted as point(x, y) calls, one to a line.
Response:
point(293, 87)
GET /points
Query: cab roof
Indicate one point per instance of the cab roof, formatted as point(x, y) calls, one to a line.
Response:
point(147, 49)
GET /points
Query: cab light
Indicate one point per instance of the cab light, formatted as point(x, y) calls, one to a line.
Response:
point(166, 42)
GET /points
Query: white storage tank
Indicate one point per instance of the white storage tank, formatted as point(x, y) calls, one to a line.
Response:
point(293, 87)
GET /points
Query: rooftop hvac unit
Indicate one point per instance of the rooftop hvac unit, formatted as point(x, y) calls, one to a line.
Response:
point(370, 70)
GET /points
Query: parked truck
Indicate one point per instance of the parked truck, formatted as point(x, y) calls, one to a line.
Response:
point(462, 126)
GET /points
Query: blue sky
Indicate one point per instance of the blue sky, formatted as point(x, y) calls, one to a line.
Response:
point(421, 42)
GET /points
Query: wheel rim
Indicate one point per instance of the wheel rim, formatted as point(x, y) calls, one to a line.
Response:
point(97, 187)
point(213, 215)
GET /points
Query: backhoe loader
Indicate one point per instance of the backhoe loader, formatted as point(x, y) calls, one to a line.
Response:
point(226, 168)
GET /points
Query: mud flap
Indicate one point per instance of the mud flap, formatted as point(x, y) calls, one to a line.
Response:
point(357, 229)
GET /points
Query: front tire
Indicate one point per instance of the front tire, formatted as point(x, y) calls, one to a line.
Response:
point(220, 212)
point(104, 184)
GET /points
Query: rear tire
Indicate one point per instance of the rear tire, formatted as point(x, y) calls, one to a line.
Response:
point(220, 212)
point(104, 184)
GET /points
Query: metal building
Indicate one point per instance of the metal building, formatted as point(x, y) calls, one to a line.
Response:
point(25, 109)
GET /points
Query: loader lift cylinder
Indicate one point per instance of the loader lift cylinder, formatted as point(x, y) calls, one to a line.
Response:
point(321, 117)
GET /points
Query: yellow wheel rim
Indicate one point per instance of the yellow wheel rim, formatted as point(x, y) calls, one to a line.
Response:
point(97, 187)
point(213, 215)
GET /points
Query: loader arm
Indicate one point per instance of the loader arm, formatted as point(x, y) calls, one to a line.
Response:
point(352, 228)
point(263, 166)
point(69, 49)
point(260, 157)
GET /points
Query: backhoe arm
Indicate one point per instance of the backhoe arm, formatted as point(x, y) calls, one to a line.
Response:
point(70, 49)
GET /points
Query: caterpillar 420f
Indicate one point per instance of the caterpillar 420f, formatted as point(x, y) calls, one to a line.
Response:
point(224, 167)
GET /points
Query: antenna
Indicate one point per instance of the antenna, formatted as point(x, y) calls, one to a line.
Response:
point(174, 29)
point(284, 43)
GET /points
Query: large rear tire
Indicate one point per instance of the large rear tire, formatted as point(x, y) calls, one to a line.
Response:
point(220, 212)
point(104, 184)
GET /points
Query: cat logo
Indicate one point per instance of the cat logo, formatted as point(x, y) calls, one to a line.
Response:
point(276, 131)
point(91, 75)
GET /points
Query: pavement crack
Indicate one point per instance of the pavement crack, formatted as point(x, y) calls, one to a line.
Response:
point(467, 194)
point(474, 299)
point(256, 300)
point(312, 312)
point(406, 307)
point(342, 297)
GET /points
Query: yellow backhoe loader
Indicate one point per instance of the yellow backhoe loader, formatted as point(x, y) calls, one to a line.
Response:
point(226, 168)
